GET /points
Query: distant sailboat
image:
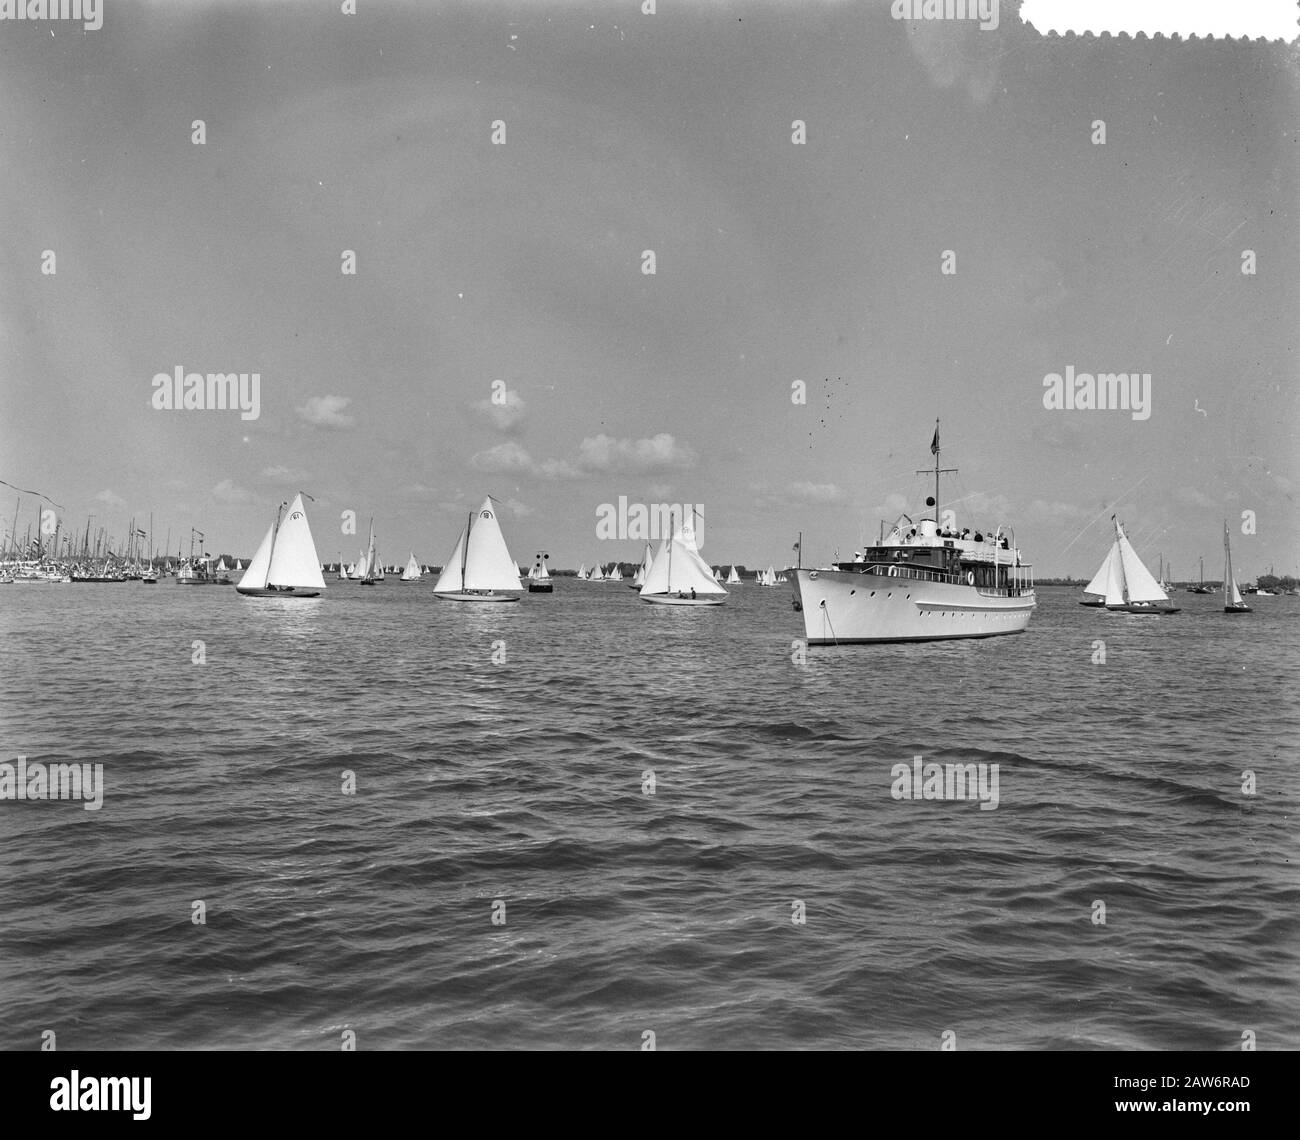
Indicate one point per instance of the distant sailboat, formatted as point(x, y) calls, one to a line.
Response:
point(343, 570)
point(480, 569)
point(1232, 603)
point(596, 574)
point(1130, 588)
point(678, 575)
point(286, 564)
point(368, 575)
point(615, 574)
point(539, 579)
point(582, 572)
point(733, 579)
point(643, 571)
point(1201, 587)
point(412, 571)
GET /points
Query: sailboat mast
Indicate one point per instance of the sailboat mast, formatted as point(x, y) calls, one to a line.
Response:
point(275, 530)
point(464, 554)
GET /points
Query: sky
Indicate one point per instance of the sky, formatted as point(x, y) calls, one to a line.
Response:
point(516, 270)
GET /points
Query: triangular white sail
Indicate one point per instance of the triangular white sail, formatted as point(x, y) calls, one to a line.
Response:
point(1099, 579)
point(481, 561)
point(1139, 583)
point(539, 573)
point(582, 572)
point(222, 568)
point(615, 574)
point(679, 569)
point(255, 576)
point(412, 571)
point(1115, 577)
point(733, 579)
point(1231, 595)
point(238, 565)
point(294, 561)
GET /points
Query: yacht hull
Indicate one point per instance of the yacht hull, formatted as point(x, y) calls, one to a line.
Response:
point(674, 600)
point(472, 596)
point(842, 607)
point(283, 592)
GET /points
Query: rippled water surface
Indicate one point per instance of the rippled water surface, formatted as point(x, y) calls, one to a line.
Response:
point(521, 780)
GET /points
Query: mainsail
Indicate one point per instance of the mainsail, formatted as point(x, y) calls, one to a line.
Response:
point(1231, 595)
point(1139, 583)
point(412, 571)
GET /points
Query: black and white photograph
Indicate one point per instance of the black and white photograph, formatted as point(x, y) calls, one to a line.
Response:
point(688, 525)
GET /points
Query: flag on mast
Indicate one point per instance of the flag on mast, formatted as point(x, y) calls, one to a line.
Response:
point(934, 443)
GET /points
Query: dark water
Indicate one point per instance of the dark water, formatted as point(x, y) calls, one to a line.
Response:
point(522, 782)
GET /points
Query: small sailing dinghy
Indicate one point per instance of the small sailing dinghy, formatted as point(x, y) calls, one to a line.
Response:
point(1130, 588)
point(678, 575)
point(615, 574)
point(733, 579)
point(412, 571)
point(539, 579)
point(582, 572)
point(1232, 603)
point(480, 569)
point(285, 565)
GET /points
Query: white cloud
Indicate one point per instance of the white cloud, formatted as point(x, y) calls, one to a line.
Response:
point(283, 474)
point(506, 411)
point(227, 492)
point(816, 493)
point(507, 458)
point(611, 456)
point(327, 411)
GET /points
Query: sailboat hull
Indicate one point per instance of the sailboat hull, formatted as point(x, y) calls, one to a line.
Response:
point(278, 591)
point(540, 588)
point(1098, 605)
point(477, 596)
point(846, 607)
point(1143, 608)
point(1241, 609)
point(674, 600)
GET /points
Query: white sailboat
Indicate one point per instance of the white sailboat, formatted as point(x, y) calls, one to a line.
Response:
point(1130, 586)
point(238, 565)
point(615, 574)
point(480, 569)
point(286, 564)
point(371, 565)
point(643, 571)
point(412, 571)
point(678, 576)
point(343, 570)
point(733, 579)
point(582, 572)
point(1232, 602)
